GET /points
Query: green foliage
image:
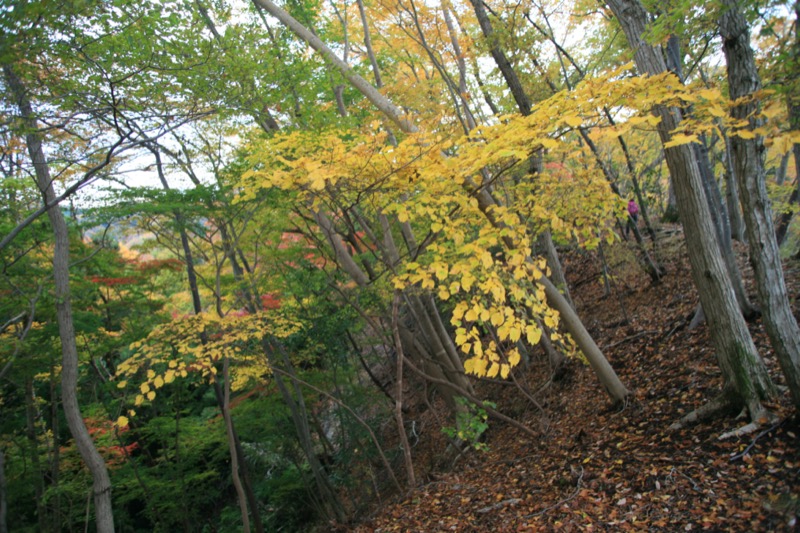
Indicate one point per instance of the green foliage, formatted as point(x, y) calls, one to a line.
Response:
point(471, 423)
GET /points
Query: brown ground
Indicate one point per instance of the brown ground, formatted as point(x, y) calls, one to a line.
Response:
point(594, 468)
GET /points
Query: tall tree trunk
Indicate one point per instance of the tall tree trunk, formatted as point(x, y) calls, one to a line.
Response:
point(743, 370)
point(101, 482)
point(721, 221)
point(748, 155)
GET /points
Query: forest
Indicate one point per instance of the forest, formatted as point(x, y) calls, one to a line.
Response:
point(393, 265)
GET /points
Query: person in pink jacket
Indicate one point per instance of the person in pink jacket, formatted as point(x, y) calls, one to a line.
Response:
point(633, 213)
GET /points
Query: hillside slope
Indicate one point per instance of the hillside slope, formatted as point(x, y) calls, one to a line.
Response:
point(593, 468)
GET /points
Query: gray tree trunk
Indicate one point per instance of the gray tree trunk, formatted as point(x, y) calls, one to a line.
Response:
point(101, 482)
point(748, 156)
point(743, 370)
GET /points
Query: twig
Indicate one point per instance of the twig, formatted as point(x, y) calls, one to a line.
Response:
point(755, 439)
point(561, 502)
point(628, 339)
point(498, 505)
point(695, 486)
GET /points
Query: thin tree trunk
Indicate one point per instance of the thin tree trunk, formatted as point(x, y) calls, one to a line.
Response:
point(233, 438)
point(748, 155)
point(398, 405)
point(226, 415)
point(101, 482)
point(732, 195)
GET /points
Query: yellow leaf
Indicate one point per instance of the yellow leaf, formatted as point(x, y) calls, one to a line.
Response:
point(573, 120)
point(717, 111)
point(139, 400)
point(514, 334)
point(498, 318)
point(513, 357)
point(169, 376)
point(680, 139)
point(549, 143)
point(486, 259)
point(533, 335)
point(471, 315)
point(159, 382)
point(144, 387)
point(493, 370)
point(151, 395)
point(122, 384)
point(745, 134)
point(504, 371)
point(122, 421)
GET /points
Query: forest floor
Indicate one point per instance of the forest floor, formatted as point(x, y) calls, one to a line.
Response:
point(594, 467)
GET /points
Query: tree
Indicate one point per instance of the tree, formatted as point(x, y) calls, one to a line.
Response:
point(69, 365)
point(746, 378)
point(611, 382)
point(748, 154)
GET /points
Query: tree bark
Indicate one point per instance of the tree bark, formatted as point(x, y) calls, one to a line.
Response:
point(101, 482)
point(741, 365)
point(499, 56)
point(748, 155)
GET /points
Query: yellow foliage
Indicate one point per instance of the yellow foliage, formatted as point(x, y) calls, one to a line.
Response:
point(176, 350)
point(478, 257)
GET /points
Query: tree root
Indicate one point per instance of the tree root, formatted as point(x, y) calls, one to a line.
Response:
point(704, 412)
point(759, 416)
